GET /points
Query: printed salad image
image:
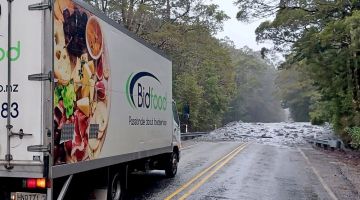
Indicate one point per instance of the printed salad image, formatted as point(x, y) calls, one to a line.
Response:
point(82, 73)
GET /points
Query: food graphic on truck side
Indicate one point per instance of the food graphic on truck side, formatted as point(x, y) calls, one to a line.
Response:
point(81, 99)
point(81, 96)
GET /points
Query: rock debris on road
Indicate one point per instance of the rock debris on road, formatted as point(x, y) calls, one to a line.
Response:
point(270, 133)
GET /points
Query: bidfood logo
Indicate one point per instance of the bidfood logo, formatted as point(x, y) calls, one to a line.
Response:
point(144, 90)
point(13, 53)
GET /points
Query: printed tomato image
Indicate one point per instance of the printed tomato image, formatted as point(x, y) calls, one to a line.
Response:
point(81, 95)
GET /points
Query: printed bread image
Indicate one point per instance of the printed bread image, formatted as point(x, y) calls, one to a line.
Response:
point(62, 66)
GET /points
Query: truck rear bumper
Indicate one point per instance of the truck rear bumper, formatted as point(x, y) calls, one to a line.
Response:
point(22, 169)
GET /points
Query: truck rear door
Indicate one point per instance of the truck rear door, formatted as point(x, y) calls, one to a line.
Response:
point(23, 55)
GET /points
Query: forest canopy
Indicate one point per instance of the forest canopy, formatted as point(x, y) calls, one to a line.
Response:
point(320, 79)
point(219, 82)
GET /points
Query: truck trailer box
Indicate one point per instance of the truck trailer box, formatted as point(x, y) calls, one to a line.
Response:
point(79, 93)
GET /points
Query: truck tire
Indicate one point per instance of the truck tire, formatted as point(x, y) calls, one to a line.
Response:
point(115, 188)
point(172, 165)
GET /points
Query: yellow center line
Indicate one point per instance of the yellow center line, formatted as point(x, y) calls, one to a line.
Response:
point(193, 189)
point(201, 174)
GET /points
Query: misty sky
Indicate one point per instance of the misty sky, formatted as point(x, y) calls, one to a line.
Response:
point(243, 34)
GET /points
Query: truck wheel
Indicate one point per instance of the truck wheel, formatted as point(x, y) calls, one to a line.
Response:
point(115, 189)
point(172, 165)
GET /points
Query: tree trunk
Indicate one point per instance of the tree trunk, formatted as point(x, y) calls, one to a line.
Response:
point(104, 4)
point(124, 5)
point(357, 81)
point(130, 15)
point(168, 11)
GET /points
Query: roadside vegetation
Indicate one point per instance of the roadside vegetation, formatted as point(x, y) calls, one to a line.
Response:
point(320, 79)
point(218, 81)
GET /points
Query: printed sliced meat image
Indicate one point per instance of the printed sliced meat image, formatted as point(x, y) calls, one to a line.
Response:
point(82, 73)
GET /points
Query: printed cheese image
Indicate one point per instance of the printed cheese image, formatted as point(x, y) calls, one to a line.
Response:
point(81, 94)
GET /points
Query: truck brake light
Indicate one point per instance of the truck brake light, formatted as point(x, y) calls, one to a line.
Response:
point(31, 183)
point(35, 183)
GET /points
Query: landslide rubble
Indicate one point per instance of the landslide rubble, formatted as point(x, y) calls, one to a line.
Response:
point(289, 134)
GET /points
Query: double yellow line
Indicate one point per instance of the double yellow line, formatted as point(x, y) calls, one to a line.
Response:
point(212, 170)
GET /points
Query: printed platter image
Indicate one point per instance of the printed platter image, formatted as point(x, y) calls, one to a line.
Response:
point(82, 76)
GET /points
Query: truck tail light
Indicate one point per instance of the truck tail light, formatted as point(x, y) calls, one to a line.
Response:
point(31, 183)
point(35, 183)
point(41, 183)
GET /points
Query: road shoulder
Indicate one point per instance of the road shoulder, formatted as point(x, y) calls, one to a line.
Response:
point(342, 178)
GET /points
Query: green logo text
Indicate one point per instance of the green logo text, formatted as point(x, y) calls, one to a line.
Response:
point(13, 53)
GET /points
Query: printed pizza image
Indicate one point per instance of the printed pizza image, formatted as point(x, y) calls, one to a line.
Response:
point(81, 96)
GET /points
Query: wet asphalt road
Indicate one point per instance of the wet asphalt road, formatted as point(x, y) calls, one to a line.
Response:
point(256, 172)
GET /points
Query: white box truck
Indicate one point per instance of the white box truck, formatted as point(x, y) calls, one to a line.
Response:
point(82, 101)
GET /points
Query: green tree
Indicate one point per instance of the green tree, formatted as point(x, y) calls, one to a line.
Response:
point(296, 91)
point(255, 99)
point(203, 73)
point(321, 40)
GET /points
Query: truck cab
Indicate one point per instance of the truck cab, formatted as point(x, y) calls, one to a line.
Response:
point(176, 125)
